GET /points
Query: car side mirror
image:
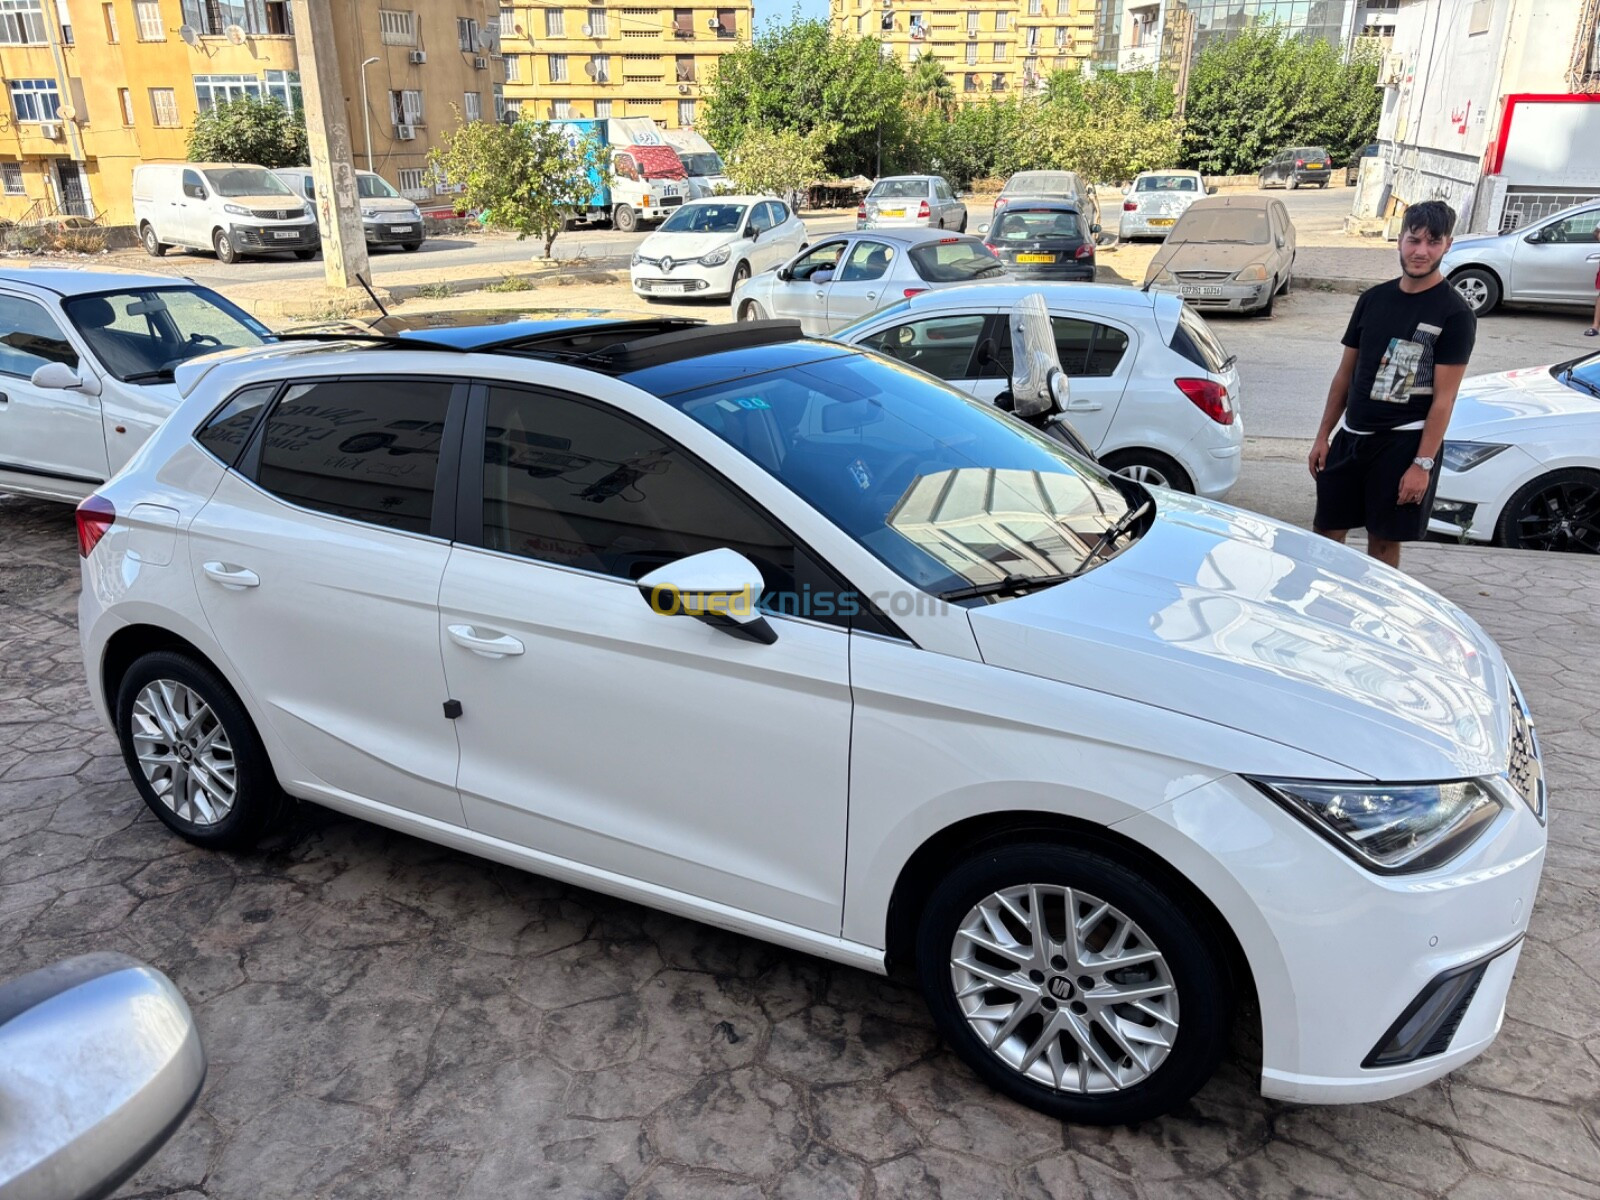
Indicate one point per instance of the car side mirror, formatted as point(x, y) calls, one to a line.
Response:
point(752, 232)
point(100, 1061)
point(56, 377)
point(720, 587)
point(1094, 228)
point(195, 192)
point(984, 228)
point(1535, 238)
point(1211, 190)
point(1127, 188)
point(1281, 242)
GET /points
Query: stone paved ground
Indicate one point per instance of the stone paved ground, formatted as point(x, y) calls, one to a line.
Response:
point(389, 1019)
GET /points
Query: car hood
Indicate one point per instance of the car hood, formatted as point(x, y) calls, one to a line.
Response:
point(1209, 256)
point(274, 202)
point(1273, 631)
point(681, 247)
point(1489, 404)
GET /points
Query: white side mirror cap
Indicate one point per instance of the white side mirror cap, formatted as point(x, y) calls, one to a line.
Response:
point(720, 587)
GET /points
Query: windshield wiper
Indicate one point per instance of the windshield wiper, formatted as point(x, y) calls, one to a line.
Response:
point(164, 373)
point(1112, 533)
point(1011, 585)
point(1572, 380)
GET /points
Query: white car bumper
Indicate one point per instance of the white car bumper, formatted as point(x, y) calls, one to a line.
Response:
point(1341, 957)
point(685, 279)
point(1139, 225)
point(1214, 458)
point(1469, 503)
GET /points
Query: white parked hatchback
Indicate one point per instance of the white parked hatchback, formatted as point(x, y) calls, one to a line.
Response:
point(711, 247)
point(1153, 393)
point(1100, 763)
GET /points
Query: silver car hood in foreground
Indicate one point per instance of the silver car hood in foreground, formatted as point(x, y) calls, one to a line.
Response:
point(1276, 632)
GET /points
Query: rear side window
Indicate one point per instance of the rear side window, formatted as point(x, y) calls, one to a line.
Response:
point(1087, 349)
point(1194, 340)
point(225, 434)
point(954, 260)
point(366, 450)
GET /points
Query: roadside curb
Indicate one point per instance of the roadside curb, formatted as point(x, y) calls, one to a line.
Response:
point(1334, 283)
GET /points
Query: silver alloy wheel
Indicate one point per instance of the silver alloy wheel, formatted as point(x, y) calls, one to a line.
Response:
point(1144, 473)
point(1474, 291)
point(1064, 989)
point(184, 752)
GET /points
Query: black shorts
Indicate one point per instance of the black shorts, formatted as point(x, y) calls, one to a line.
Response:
point(1360, 486)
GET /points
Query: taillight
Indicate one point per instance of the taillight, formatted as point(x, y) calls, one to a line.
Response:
point(1209, 397)
point(923, 211)
point(910, 292)
point(999, 204)
point(861, 211)
point(95, 517)
point(1299, 162)
point(1084, 251)
point(1130, 206)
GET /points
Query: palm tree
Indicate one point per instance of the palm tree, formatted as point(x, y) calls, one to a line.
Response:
point(929, 87)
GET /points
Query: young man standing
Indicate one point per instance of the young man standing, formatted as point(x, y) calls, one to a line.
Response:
point(1376, 455)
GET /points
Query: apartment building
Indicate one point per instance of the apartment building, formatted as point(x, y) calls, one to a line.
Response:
point(95, 87)
point(987, 47)
point(608, 59)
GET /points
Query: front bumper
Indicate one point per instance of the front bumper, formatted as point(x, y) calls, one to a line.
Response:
point(392, 233)
point(1229, 295)
point(685, 279)
point(267, 239)
point(1337, 954)
point(1468, 504)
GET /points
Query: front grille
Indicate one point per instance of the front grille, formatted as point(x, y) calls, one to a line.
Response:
point(1202, 274)
point(1524, 769)
point(279, 214)
point(670, 202)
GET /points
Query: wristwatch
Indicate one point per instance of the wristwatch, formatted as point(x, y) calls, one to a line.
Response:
point(1425, 463)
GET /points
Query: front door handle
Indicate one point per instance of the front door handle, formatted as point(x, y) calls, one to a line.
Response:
point(872, 295)
point(230, 576)
point(489, 645)
point(1084, 406)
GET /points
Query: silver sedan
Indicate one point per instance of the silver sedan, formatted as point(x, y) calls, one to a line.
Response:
point(1155, 201)
point(912, 202)
point(843, 278)
point(1554, 260)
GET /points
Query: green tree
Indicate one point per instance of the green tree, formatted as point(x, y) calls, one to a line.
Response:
point(250, 130)
point(1106, 126)
point(928, 88)
point(778, 162)
point(1264, 89)
point(528, 175)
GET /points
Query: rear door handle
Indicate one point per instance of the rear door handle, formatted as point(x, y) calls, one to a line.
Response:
point(1084, 406)
point(230, 576)
point(872, 295)
point(482, 642)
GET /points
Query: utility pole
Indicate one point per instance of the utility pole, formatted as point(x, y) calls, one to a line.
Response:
point(344, 244)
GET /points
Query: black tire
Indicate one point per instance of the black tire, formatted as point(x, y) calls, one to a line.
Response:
point(741, 275)
point(1288, 281)
point(1139, 461)
point(1291, 183)
point(305, 255)
point(411, 246)
point(1192, 965)
point(258, 801)
point(1559, 511)
point(223, 245)
point(1479, 288)
point(624, 219)
point(1266, 309)
point(962, 228)
point(751, 311)
point(153, 246)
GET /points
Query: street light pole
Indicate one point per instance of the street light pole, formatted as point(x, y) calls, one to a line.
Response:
point(366, 114)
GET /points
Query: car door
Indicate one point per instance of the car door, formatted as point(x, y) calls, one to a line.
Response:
point(789, 232)
point(1098, 355)
point(861, 285)
point(597, 730)
point(318, 564)
point(194, 212)
point(803, 296)
point(49, 435)
point(1558, 261)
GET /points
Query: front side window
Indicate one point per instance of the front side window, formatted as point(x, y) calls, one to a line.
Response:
point(761, 218)
point(945, 490)
point(141, 336)
point(1087, 349)
point(867, 261)
point(374, 187)
point(954, 260)
point(30, 338)
point(941, 346)
point(822, 261)
point(366, 450)
point(1579, 227)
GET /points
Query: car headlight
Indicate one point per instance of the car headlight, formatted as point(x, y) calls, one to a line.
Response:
point(416, 213)
point(1463, 456)
point(717, 257)
point(369, 214)
point(1159, 275)
point(636, 260)
point(237, 210)
point(1254, 273)
point(1392, 828)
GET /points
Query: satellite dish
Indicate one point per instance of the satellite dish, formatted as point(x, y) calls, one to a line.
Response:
point(235, 34)
point(188, 34)
point(67, 113)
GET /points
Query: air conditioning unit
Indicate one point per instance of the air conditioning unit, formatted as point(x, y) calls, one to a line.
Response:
point(49, 129)
point(712, 23)
point(480, 63)
point(406, 133)
point(418, 57)
point(888, 3)
point(683, 89)
point(587, 31)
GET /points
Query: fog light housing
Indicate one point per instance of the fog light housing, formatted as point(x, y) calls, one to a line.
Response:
point(1431, 1020)
point(1455, 512)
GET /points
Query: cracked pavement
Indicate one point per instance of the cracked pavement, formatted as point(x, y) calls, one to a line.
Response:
point(388, 1018)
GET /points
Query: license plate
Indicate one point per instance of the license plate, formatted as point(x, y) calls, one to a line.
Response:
point(891, 212)
point(1036, 258)
point(1162, 220)
point(399, 229)
point(278, 233)
point(1190, 289)
point(1313, 166)
point(676, 289)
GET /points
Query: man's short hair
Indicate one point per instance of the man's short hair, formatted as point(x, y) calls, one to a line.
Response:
point(1434, 216)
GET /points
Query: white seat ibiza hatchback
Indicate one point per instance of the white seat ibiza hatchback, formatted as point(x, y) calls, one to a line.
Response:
point(790, 638)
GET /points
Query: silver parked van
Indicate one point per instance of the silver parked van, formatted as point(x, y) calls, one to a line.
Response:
point(233, 209)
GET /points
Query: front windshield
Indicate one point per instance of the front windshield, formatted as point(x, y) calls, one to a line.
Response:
point(947, 491)
point(1247, 226)
point(701, 164)
point(1032, 225)
point(705, 218)
point(1581, 375)
point(245, 181)
point(375, 187)
point(141, 335)
point(899, 189)
point(1167, 183)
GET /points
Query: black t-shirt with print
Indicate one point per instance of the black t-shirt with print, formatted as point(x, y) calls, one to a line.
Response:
point(1399, 337)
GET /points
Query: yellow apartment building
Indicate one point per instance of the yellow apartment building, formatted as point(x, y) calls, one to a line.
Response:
point(95, 87)
point(987, 47)
point(609, 59)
